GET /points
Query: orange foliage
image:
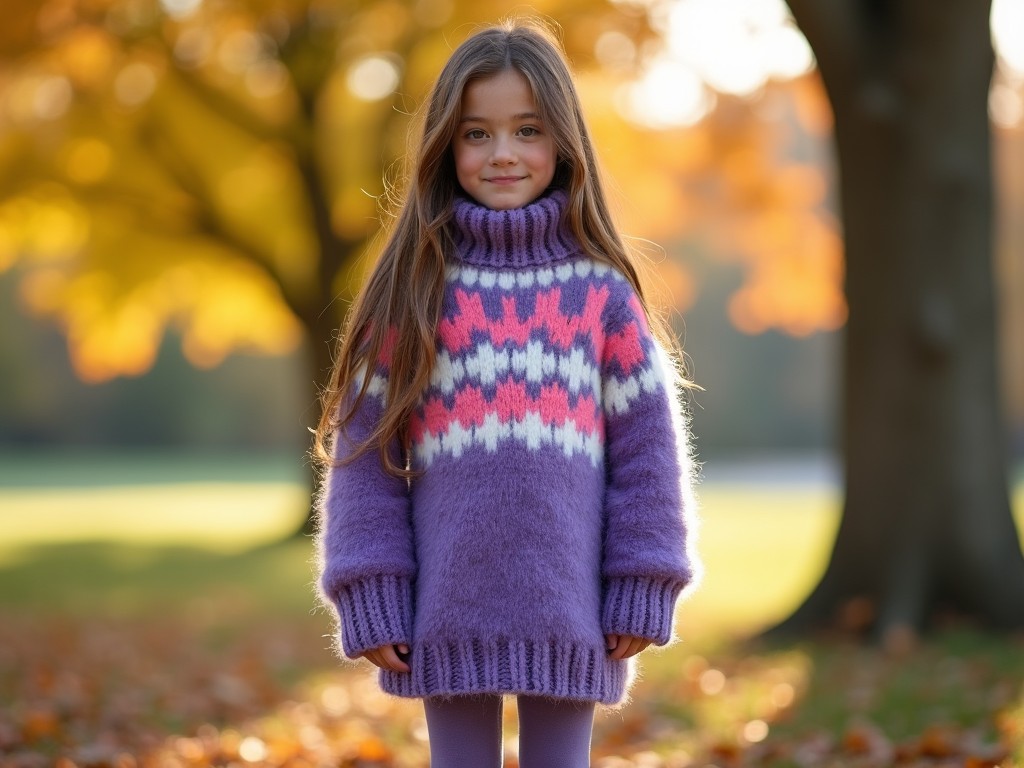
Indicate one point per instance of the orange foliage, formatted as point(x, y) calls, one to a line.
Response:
point(166, 171)
point(218, 685)
point(114, 329)
point(812, 108)
point(732, 182)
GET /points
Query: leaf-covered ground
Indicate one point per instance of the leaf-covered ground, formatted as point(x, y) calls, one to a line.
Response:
point(122, 658)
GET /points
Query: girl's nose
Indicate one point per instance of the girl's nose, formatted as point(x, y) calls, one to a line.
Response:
point(502, 153)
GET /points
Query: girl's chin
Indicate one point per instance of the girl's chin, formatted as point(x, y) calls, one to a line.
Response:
point(500, 202)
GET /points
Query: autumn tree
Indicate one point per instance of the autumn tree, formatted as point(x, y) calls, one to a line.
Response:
point(926, 526)
point(217, 168)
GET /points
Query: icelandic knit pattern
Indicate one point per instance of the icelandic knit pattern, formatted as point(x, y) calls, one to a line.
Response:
point(551, 505)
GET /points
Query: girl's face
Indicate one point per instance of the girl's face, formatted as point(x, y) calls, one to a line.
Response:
point(504, 156)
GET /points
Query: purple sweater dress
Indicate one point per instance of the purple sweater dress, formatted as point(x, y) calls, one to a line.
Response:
point(553, 502)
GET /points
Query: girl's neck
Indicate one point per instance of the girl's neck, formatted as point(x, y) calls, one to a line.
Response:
point(533, 236)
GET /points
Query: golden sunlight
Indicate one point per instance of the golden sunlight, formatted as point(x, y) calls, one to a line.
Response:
point(221, 516)
point(735, 47)
point(714, 46)
point(1008, 35)
point(1006, 99)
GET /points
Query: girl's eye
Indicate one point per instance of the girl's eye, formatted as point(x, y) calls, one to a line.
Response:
point(528, 130)
point(476, 133)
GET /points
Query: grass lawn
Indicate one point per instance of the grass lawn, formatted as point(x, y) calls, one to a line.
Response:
point(147, 620)
point(226, 504)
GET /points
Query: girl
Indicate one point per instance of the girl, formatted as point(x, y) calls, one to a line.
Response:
point(507, 480)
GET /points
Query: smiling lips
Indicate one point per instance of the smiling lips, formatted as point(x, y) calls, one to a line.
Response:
point(505, 179)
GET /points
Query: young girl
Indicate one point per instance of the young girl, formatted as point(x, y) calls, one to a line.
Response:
point(504, 509)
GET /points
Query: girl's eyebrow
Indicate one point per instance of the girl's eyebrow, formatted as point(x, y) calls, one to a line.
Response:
point(521, 116)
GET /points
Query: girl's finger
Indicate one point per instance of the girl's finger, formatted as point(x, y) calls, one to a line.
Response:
point(637, 645)
point(641, 646)
point(611, 641)
point(390, 660)
point(386, 657)
point(621, 646)
point(629, 646)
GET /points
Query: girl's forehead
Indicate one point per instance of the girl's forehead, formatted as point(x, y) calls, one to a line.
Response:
point(508, 90)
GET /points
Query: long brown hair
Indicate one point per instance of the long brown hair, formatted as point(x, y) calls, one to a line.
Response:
point(400, 304)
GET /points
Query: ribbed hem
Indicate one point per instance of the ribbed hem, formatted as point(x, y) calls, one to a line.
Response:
point(532, 236)
point(561, 670)
point(640, 607)
point(375, 611)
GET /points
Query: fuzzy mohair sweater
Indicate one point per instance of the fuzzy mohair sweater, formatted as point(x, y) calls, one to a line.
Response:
point(554, 498)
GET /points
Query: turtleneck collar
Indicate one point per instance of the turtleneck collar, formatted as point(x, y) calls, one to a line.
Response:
point(532, 236)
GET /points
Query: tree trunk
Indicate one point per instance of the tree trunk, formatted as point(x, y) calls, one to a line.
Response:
point(927, 527)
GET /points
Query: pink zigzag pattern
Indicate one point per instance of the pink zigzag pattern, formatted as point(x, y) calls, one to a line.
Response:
point(456, 333)
point(510, 403)
point(625, 346)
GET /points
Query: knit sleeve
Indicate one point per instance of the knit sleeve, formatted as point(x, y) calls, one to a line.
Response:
point(648, 501)
point(365, 541)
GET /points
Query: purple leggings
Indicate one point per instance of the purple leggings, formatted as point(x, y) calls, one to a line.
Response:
point(465, 731)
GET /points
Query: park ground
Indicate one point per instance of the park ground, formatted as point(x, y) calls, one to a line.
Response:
point(151, 616)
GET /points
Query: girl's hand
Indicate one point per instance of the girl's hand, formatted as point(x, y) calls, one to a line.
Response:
point(386, 657)
point(623, 646)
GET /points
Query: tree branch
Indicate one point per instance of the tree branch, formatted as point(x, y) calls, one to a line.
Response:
point(208, 222)
point(226, 106)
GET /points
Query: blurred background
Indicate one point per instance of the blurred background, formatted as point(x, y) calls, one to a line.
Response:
point(190, 192)
point(190, 188)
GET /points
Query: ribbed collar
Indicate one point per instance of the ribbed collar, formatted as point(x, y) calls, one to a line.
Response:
point(531, 236)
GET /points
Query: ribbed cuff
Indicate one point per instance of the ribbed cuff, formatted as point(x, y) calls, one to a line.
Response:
point(374, 611)
point(640, 607)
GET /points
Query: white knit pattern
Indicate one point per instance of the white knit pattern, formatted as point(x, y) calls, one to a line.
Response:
point(530, 430)
point(507, 279)
point(487, 365)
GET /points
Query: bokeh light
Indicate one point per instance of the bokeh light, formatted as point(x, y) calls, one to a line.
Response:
point(239, 50)
point(1006, 105)
point(726, 46)
point(134, 84)
point(670, 94)
point(615, 51)
point(735, 47)
point(1008, 34)
point(373, 78)
point(50, 97)
point(179, 9)
point(193, 47)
